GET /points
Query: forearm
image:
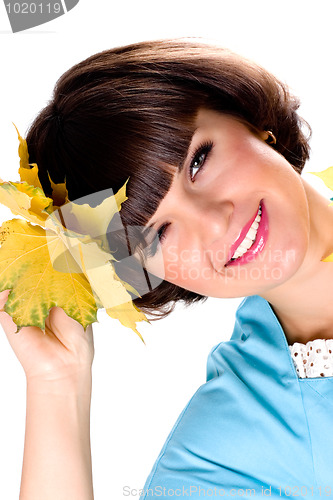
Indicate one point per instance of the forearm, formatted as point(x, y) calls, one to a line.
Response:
point(57, 454)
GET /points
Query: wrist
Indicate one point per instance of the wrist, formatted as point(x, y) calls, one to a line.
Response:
point(75, 383)
point(57, 453)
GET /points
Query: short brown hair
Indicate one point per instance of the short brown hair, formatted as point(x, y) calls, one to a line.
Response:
point(130, 112)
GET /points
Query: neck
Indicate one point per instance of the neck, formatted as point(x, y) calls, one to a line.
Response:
point(303, 304)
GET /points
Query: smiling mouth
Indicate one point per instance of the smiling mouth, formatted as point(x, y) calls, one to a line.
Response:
point(251, 240)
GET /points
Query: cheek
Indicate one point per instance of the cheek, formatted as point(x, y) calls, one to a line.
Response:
point(291, 239)
point(171, 264)
point(187, 268)
point(289, 229)
point(237, 172)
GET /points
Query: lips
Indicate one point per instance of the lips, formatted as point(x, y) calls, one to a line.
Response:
point(258, 244)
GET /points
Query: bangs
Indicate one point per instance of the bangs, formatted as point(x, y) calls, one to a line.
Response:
point(160, 144)
point(159, 153)
point(139, 135)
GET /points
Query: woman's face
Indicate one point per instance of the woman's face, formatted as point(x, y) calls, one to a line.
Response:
point(235, 221)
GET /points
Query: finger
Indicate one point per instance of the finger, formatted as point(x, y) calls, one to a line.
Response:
point(3, 298)
point(62, 321)
point(7, 323)
point(5, 319)
point(13, 333)
point(68, 330)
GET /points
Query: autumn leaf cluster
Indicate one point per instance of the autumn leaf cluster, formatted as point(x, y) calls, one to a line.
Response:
point(30, 246)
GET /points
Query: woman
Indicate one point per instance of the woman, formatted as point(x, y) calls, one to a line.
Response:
point(214, 149)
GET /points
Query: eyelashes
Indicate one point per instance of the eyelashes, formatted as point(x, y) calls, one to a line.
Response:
point(152, 249)
point(199, 158)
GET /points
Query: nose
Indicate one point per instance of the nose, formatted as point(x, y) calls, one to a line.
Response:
point(205, 228)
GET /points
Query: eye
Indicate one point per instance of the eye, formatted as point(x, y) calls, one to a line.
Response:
point(152, 248)
point(198, 159)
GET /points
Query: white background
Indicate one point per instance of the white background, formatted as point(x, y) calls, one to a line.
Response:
point(139, 390)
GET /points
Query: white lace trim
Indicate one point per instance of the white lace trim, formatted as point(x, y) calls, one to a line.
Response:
point(313, 359)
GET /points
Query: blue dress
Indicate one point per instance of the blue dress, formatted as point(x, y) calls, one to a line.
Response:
point(254, 429)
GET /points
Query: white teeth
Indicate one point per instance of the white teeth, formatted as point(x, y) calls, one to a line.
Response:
point(238, 253)
point(252, 233)
point(249, 238)
point(247, 242)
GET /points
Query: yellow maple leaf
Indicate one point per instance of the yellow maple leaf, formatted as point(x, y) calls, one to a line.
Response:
point(26, 269)
point(127, 314)
point(59, 193)
point(108, 289)
point(50, 264)
point(84, 219)
point(30, 176)
point(328, 259)
point(54, 261)
point(25, 200)
point(23, 151)
point(327, 177)
point(29, 173)
point(95, 263)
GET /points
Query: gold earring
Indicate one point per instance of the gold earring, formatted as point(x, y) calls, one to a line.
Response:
point(271, 139)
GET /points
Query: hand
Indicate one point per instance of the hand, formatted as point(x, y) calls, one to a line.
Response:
point(63, 353)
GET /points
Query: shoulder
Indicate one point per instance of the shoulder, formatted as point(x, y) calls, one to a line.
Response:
point(240, 420)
